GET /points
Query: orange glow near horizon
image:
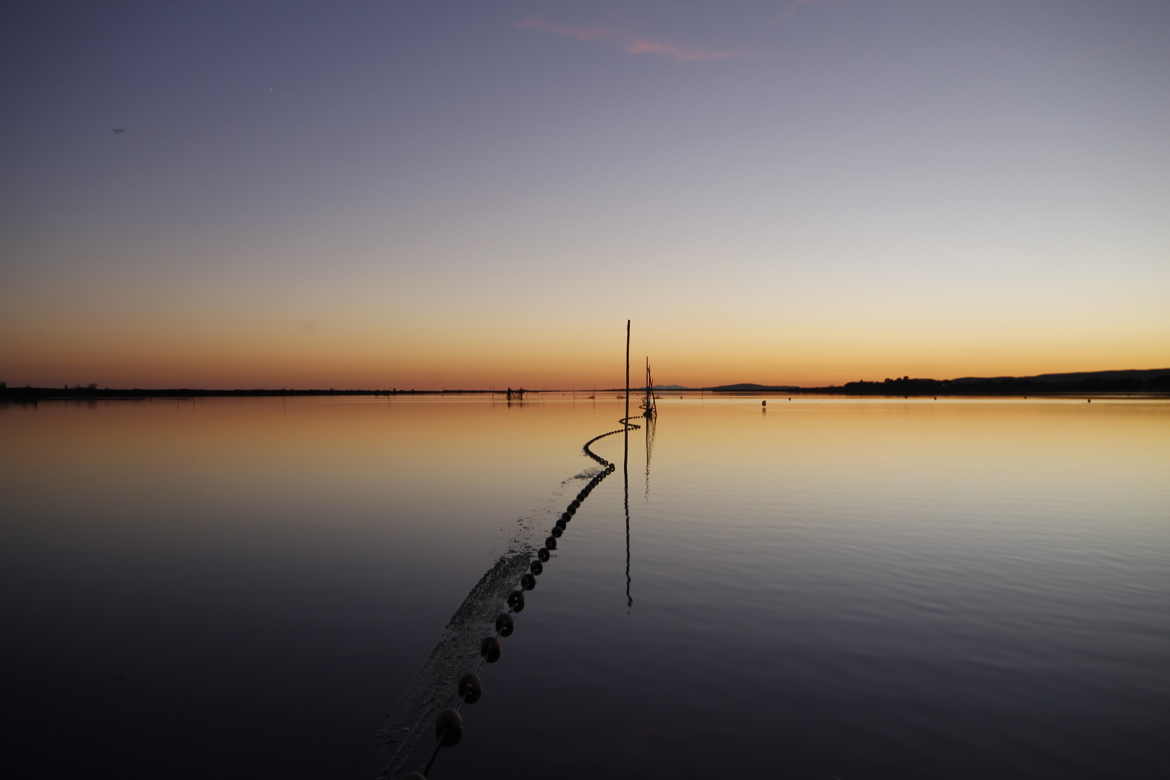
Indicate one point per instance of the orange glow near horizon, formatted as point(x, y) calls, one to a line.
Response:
point(308, 357)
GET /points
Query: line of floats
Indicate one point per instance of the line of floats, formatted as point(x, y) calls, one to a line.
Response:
point(449, 722)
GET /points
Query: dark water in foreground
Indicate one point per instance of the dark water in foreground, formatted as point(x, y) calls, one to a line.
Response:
point(833, 588)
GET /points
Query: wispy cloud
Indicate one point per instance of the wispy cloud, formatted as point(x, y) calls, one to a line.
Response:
point(629, 42)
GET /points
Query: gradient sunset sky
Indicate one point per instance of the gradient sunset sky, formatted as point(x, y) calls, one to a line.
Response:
point(475, 194)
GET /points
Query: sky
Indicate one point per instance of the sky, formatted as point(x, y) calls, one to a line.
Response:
point(477, 194)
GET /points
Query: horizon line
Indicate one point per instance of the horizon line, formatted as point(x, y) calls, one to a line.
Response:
point(96, 388)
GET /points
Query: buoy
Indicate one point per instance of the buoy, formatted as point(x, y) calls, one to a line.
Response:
point(489, 648)
point(528, 582)
point(537, 568)
point(516, 600)
point(504, 624)
point(449, 728)
point(469, 687)
point(551, 543)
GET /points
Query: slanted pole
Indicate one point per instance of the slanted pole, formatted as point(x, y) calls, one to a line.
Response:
point(627, 369)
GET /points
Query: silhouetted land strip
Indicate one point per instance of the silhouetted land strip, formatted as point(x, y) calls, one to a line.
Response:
point(113, 393)
point(1155, 380)
point(1147, 381)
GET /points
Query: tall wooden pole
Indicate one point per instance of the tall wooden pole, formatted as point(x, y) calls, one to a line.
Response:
point(627, 369)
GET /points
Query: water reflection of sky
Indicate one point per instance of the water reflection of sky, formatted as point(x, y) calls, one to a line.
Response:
point(833, 587)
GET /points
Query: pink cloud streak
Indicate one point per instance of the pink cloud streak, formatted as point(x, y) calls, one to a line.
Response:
point(628, 42)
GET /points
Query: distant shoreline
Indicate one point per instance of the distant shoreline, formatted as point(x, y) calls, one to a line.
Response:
point(112, 393)
point(1148, 382)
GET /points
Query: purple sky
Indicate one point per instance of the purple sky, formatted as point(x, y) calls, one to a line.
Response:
point(460, 193)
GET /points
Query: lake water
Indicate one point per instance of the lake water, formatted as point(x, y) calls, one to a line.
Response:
point(830, 588)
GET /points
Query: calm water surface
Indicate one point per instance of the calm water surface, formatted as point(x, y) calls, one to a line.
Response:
point(831, 588)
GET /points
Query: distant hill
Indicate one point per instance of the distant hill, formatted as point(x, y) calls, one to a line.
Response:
point(1154, 380)
point(748, 387)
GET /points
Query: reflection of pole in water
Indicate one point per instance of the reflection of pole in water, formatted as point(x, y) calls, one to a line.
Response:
point(626, 480)
point(649, 431)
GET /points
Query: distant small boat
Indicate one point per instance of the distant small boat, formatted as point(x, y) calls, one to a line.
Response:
point(649, 406)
